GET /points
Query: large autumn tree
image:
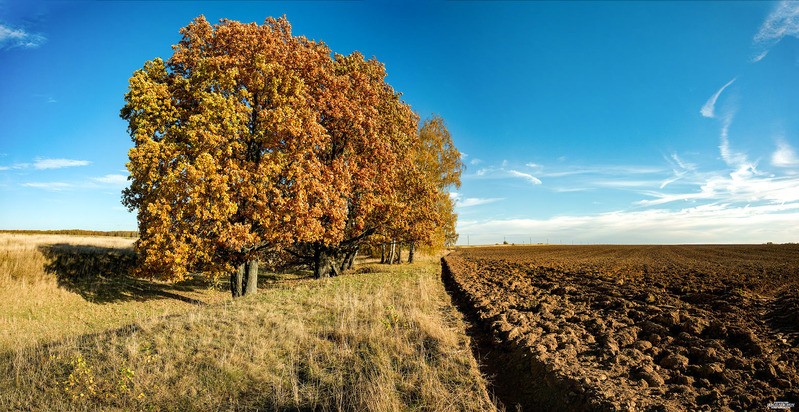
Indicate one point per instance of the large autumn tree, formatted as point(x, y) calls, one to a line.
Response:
point(249, 139)
point(224, 163)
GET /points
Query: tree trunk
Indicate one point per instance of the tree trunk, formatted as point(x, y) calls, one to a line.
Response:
point(383, 253)
point(324, 263)
point(342, 266)
point(252, 277)
point(320, 260)
point(351, 257)
point(348, 259)
point(236, 282)
point(410, 252)
point(399, 253)
point(391, 253)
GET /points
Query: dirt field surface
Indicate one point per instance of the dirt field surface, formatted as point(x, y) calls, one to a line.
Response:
point(657, 328)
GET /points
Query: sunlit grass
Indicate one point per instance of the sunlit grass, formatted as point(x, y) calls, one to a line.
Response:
point(386, 339)
point(44, 297)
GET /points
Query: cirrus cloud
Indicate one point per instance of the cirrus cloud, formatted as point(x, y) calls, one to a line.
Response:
point(526, 176)
point(50, 186)
point(42, 164)
point(782, 21)
point(709, 109)
point(11, 37)
point(114, 179)
point(462, 202)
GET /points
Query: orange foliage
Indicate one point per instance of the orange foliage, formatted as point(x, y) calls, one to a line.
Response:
point(249, 138)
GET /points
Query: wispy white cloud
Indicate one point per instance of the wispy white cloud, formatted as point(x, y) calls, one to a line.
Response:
point(16, 37)
point(477, 201)
point(41, 164)
point(47, 163)
point(607, 170)
point(736, 188)
point(742, 184)
point(571, 189)
point(730, 157)
point(590, 177)
point(526, 176)
point(784, 156)
point(782, 21)
point(760, 56)
point(677, 176)
point(680, 169)
point(114, 179)
point(735, 203)
point(461, 201)
point(683, 165)
point(475, 161)
point(625, 183)
point(709, 109)
point(503, 173)
point(51, 186)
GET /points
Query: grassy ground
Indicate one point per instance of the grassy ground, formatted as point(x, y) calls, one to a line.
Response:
point(384, 339)
point(58, 286)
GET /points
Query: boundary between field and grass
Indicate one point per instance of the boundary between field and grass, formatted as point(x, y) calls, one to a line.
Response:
point(516, 378)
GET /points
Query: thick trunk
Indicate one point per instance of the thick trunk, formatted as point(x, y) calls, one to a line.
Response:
point(237, 282)
point(399, 253)
point(383, 253)
point(410, 252)
point(252, 277)
point(325, 264)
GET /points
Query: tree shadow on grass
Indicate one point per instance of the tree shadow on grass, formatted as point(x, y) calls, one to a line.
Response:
point(102, 275)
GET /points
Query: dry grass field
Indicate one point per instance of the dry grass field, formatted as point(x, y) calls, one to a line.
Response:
point(57, 286)
point(78, 334)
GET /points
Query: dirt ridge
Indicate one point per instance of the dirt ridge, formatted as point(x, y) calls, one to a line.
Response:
point(507, 362)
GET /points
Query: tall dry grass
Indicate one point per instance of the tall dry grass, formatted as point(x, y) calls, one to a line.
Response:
point(56, 286)
point(383, 340)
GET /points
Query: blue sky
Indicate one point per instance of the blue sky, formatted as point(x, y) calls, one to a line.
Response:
point(580, 122)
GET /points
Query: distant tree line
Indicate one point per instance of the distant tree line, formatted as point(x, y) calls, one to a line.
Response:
point(76, 232)
point(253, 146)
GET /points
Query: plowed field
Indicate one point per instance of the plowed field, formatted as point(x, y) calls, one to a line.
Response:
point(636, 327)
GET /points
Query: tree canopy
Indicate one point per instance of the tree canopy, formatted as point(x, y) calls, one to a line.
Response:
point(249, 139)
